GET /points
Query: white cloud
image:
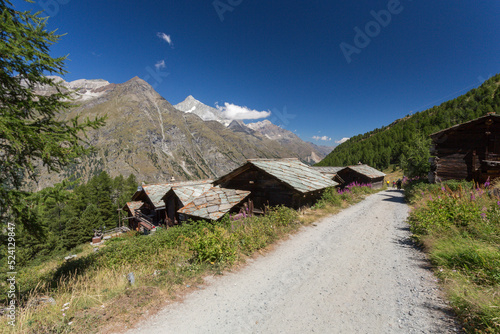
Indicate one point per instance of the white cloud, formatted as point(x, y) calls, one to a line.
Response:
point(165, 37)
point(232, 111)
point(160, 64)
point(324, 138)
point(343, 140)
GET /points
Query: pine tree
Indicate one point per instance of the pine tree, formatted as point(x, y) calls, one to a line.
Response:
point(30, 130)
point(81, 230)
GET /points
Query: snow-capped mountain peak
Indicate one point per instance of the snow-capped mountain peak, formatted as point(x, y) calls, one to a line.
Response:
point(206, 113)
point(83, 89)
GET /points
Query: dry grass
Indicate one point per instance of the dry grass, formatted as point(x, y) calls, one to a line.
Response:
point(102, 300)
point(311, 215)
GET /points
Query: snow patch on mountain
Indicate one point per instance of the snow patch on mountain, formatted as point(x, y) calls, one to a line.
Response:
point(206, 113)
point(83, 89)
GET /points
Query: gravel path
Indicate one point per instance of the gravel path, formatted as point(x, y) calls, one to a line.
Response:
point(354, 272)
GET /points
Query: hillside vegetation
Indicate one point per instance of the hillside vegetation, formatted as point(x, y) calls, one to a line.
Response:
point(382, 147)
point(62, 217)
point(92, 291)
point(458, 223)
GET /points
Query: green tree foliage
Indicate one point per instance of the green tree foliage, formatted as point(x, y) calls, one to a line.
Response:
point(382, 147)
point(415, 156)
point(31, 131)
point(65, 215)
point(99, 191)
point(80, 230)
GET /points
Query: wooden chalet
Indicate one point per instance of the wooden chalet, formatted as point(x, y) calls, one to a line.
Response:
point(362, 174)
point(330, 172)
point(152, 212)
point(178, 196)
point(135, 221)
point(274, 182)
point(469, 151)
point(214, 204)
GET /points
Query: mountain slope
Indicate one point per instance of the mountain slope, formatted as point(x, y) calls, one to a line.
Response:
point(265, 129)
point(289, 140)
point(381, 147)
point(145, 135)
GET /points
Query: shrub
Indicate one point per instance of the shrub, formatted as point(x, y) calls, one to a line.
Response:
point(213, 245)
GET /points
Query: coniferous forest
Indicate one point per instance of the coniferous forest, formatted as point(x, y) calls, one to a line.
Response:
point(64, 216)
point(393, 144)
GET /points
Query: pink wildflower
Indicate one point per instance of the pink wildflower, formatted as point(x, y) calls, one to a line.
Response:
point(487, 183)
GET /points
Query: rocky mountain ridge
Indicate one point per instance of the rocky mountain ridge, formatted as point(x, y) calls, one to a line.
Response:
point(147, 136)
point(264, 128)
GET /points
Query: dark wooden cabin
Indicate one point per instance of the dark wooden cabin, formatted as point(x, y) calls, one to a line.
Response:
point(152, 210)
point(362, 174)
point(467, 151)
point(132, 209)
point(274, 182)
point(178, 196)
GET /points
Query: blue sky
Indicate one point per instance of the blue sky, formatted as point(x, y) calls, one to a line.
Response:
point(330, 69)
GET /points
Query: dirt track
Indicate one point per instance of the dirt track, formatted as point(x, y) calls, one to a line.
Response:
point(355, 272)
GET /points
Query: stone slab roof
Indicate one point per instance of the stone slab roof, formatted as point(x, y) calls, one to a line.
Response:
point(296, 174)
point(155, 192)
point(187, 193)
point(214, 203)
point(367, 171)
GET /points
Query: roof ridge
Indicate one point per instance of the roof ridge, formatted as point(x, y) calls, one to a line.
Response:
point(271, 159)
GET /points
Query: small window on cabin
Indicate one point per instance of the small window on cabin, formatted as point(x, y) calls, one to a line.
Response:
point(251, 182)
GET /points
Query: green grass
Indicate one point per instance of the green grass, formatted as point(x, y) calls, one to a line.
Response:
point(164, 264)
point(459, 225)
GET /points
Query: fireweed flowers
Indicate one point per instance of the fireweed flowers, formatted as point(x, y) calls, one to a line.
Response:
point(459, 223)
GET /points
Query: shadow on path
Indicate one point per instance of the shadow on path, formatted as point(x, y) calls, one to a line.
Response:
point(396, 198)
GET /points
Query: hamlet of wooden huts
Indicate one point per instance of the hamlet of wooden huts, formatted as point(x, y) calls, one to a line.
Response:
point(273, 182)
point(468, 151)
point(152, 211)
point(362, 174)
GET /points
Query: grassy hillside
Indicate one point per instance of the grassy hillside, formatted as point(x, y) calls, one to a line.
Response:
point(91, 293)
point(382, 147)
